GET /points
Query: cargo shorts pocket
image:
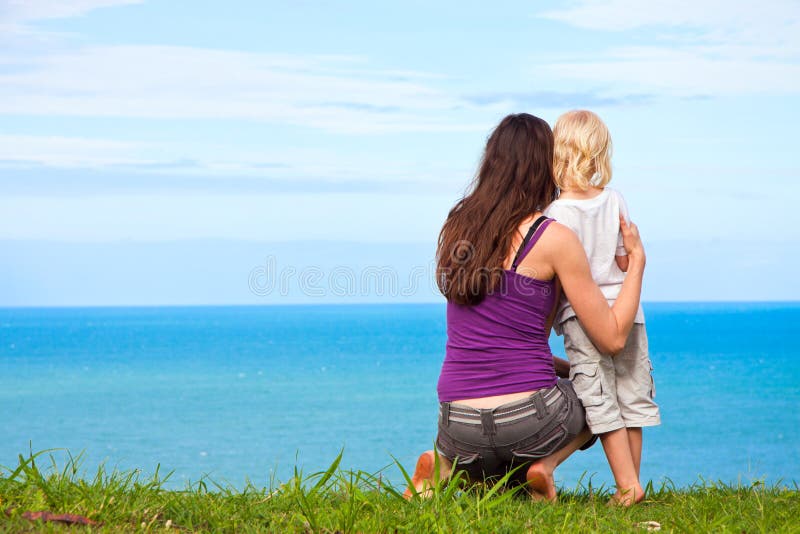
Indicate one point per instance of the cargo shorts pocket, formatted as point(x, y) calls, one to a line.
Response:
point(587, 383)
point(543, 446)
point(456, 452)
point(470, 464)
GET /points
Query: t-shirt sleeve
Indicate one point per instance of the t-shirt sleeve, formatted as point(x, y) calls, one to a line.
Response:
point(623, 209)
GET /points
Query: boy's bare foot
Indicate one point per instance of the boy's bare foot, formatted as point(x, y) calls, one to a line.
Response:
point(627, 497)
point(423, 475)
point(541, 483)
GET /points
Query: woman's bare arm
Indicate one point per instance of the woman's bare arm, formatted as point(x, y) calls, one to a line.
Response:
point(608, 327)
point(557, 299)
point(561, 365)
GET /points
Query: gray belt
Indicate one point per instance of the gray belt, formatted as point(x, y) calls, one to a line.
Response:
point(536, 404)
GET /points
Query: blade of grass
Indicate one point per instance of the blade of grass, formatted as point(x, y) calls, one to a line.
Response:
point(326, 476)
point(406, 476)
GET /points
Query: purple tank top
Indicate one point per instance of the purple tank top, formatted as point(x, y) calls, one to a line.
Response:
point(500, 345)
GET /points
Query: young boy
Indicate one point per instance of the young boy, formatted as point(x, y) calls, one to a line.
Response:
point(616, 390)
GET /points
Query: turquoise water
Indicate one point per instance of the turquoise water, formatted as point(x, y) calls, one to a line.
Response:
point(242, 393)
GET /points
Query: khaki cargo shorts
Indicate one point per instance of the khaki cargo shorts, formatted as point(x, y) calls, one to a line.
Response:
point(616, 392)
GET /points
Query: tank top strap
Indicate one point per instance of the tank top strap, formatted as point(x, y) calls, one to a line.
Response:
point(533, 235)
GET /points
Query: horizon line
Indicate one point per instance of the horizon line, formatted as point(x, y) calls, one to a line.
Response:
point(343, 304)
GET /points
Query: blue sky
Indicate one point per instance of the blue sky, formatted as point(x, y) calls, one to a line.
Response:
point(128, 124)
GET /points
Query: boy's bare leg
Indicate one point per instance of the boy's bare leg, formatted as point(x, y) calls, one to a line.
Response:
point(424, 473)
point(635, 442)
point(540, 474)
point(618, 452)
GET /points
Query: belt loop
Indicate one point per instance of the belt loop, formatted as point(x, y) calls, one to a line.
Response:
point(487, 422)
point(445, 413)
point(541, 406)
point(567, 390)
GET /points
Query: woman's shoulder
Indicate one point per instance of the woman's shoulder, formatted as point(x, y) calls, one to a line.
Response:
point(558, 236)
point(556, 243)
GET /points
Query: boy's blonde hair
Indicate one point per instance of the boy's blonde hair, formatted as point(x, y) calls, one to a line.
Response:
point(582, 155)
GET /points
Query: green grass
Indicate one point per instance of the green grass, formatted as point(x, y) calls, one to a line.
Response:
point(348, 501)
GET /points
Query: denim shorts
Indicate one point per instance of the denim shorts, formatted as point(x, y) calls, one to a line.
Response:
point(487, 443)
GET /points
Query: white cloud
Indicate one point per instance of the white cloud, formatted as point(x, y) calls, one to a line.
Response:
point(739, 17)
point(681, 73)
point(65, 152)
point(201, 166)
point(332, 93)
point(20, 11)
point(695, 47)
point(53, 75)
point(18, 17)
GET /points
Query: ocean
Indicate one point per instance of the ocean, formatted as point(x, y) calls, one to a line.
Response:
point(240, 394)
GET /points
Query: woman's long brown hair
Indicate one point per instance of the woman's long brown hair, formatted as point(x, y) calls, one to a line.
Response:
point(514, 180)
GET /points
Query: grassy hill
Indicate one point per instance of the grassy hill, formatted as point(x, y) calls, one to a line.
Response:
point(346, 501)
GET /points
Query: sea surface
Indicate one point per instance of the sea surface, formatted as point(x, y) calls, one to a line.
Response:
point(249, 393)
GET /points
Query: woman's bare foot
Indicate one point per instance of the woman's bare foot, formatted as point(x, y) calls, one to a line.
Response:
point(423, 476)
point(540, 483)
point(627, 497)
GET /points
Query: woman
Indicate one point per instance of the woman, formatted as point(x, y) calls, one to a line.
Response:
point(499, 264)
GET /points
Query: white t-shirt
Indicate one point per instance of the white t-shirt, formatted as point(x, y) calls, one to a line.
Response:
point(596, 221)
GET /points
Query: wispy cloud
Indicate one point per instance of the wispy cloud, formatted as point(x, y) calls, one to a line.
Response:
point(38, 181)
point(18, 17)
point(331, 93)
point(57, 152)
point(20, 11)
point(66, 152)
point(556, 99)
point(688, 47)
point(77, 165)
point(710, 16)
